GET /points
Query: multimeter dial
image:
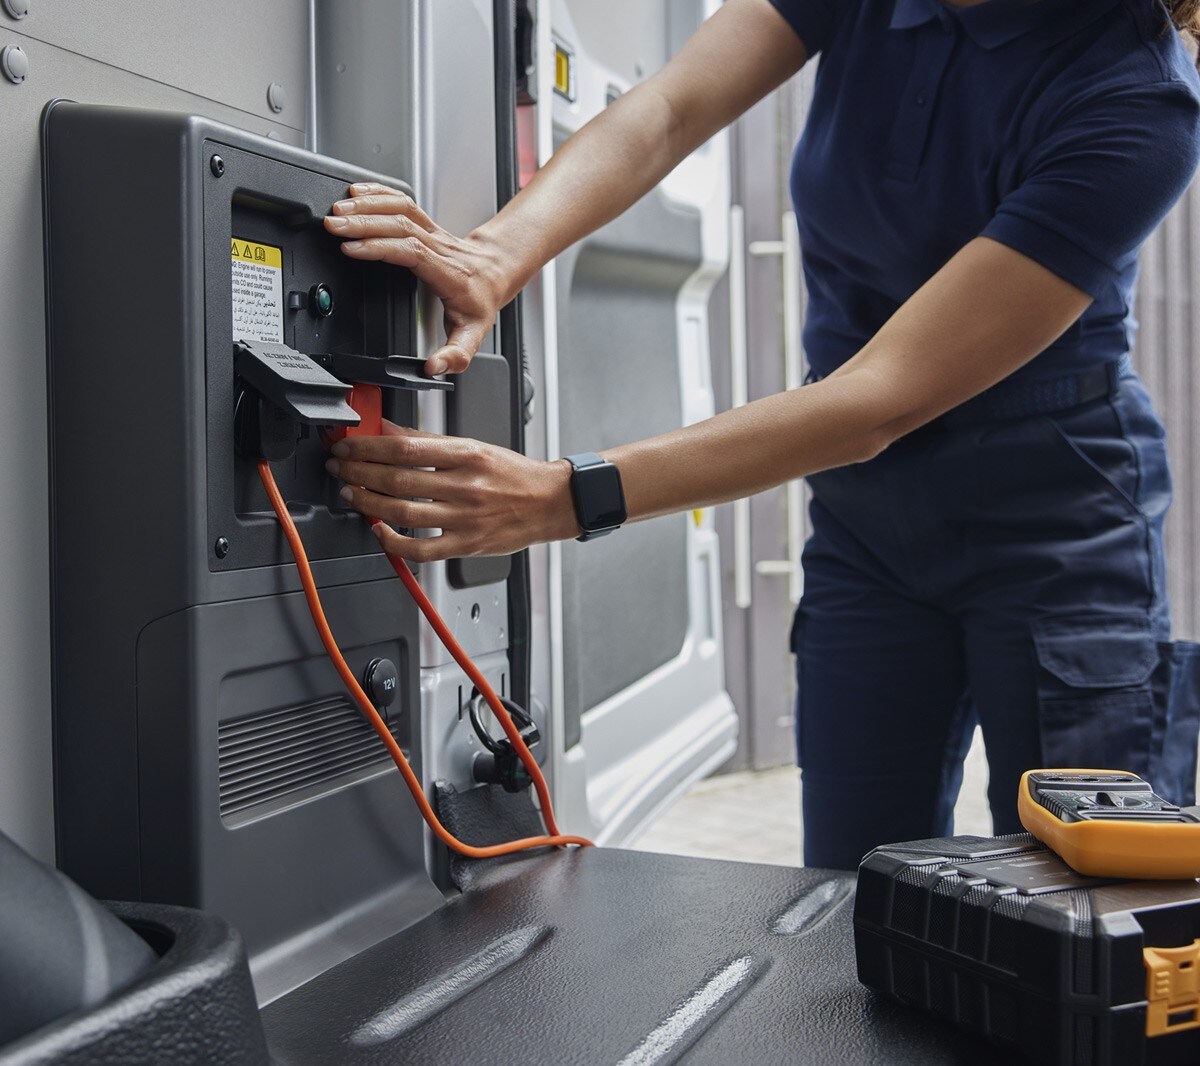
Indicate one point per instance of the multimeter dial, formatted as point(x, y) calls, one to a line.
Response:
point(1109, 823)
point(1082, 796)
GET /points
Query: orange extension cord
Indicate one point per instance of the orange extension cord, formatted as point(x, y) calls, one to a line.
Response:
point(378, 724)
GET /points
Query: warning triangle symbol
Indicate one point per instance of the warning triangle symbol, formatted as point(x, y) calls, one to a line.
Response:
point(233, 248)
point(246, 252)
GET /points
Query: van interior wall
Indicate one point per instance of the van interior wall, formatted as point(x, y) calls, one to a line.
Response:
point(216, 60)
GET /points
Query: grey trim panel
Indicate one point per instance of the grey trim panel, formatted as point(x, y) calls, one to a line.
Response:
point(625, 597)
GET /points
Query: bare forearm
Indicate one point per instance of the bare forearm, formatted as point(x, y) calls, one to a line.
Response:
point(952, 339)
point(738, 56)
point(597, 174)
point(747, 450)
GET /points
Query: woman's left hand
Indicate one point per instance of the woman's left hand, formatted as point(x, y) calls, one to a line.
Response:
point(465, 273)
point(485, 500)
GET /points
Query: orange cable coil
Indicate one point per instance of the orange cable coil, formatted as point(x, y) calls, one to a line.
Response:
point(554, 838)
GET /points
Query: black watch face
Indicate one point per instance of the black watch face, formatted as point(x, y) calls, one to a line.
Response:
point(599, 501)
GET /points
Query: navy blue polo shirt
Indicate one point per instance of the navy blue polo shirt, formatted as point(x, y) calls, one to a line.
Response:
point(1064, 129)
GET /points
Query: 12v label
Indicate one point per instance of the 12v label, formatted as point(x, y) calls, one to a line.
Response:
point(257, 291)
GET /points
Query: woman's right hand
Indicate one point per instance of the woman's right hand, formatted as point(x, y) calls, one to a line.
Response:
point(379, 223)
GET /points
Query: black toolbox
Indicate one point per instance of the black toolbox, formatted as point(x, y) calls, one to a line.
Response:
point(999, 936)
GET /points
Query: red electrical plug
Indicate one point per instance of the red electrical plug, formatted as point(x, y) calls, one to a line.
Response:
point(367, 400)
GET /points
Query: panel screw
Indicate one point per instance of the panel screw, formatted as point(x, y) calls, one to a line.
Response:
point(16, 9)
point(15, 63)
point(221, 548)
point(217, 166)
point(276, 97)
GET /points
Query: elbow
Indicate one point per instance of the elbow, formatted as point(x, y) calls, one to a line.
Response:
point(873, 443)
point(875, 413)
point(884, 433)
point(876, 440)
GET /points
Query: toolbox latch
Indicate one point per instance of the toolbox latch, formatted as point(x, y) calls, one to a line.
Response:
point(1172, 989)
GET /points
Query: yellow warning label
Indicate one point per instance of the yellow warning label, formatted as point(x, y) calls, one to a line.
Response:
point(564, 72)
point(257, 275)
point(249, 252)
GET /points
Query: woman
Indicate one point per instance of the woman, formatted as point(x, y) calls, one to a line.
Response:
point(973, 186)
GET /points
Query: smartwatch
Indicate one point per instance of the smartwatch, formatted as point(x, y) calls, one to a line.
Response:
point(597, 495)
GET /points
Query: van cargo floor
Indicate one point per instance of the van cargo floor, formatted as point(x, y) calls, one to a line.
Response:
point(609, 956)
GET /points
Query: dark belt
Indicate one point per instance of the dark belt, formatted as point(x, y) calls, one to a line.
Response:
point(1025, 399)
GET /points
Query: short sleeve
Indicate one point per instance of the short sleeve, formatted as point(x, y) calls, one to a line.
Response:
point(1099, 181)
point(814, 21)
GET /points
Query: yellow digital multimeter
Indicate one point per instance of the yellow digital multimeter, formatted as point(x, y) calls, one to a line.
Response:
point(1109, 823)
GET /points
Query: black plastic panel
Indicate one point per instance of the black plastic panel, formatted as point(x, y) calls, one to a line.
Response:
point(269, 202)
point(157, 637)
point(480, 407)
point(273, 874)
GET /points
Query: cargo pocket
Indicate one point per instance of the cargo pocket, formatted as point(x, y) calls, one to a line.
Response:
point(1176, 685)
point(1095, 698)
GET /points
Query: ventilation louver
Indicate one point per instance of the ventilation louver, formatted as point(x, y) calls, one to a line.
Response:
point(279, 758)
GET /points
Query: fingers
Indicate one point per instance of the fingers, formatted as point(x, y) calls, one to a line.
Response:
point(416, 549)
point(464, 340)
point(409, 448)
point(414, 514)
point(441, 272)
point(360, 187)
point(369, 198)
point(380, 225)
point(411, 252)
point(484, 500)
point(390, 480)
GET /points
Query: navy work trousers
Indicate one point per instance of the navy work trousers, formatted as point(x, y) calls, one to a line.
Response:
point(1007, 573)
